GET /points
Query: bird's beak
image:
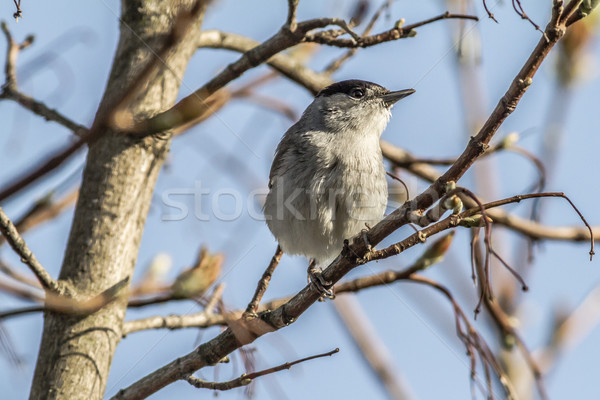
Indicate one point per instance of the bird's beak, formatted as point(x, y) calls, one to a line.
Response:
point(392, 97)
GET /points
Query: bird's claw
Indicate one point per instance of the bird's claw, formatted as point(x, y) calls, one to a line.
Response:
point(365, 237)
point(316, 278)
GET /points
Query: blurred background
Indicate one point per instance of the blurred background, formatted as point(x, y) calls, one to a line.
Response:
point(460, 69)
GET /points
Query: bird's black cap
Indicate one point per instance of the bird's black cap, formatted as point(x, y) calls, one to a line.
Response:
point(346, 87)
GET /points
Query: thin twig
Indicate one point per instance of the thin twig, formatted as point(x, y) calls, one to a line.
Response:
point(201, 319)
point(291, 23)
point(43, 210)
point(246, 379)
point(19, 13)
point(63, 304)
point(519, 10)
point(27, 280)
point(41, 109)
point(193, 105)
point(44, 167)
point(337, 63)
point(10, 89)
point(263, 283)
point(17, 243)
point(21, 311)
point(286, 64)
point(489, 13)
point(330, 38)
point(472, 340)
point(531, 229)
point(455, 220)
point(184, 21)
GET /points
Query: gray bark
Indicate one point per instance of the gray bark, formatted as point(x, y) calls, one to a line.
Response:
point(76, 352)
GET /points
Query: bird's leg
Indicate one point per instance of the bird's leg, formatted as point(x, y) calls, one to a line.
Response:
point(315, 277)
point(365, 238)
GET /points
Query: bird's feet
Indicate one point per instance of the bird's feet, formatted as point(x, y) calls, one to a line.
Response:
point(351, 254)
point(315, 277)
point(365, 237)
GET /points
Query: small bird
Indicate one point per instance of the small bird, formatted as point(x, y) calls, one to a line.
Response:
point(328, 182)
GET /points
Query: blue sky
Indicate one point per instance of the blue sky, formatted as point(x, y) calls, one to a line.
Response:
point(414, 322)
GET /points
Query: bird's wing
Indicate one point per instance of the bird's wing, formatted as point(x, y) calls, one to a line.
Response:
point(287, 153)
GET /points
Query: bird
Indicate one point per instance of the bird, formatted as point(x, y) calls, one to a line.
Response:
point(327, 182)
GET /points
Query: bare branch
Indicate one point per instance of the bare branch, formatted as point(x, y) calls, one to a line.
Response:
point(41, 109)
point(457, 219)
point(10, 90)
point(521, 13)
point(194, 104)
point(263, 284)
point(197, 320)
point(291, 23)
point(489, 13)
point(62, 304)
point(206, 318)
point(15, 240)
point(12, 52)
point(502, 321)
point(337, 63)
point(246, 379)
point(184, 20)
point(203, 319)
point(287, 65)
point(524, 226)
point(21, 311)
point(472, 340)
point(19, 13)
point(330, 38)
point(27, 280)
point(44, 167)
point(43, 210)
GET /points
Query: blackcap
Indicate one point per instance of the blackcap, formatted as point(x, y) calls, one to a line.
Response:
point(328, 181)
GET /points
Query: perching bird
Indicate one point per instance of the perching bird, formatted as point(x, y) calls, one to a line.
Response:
point(328, 181)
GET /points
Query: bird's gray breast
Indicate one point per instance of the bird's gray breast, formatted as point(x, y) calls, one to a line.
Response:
point(359, 181)
point(324, 191)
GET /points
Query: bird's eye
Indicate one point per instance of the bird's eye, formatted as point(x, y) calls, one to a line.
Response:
point(357, 93)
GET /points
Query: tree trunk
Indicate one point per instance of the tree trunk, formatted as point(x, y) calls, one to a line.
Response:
point(76, 352)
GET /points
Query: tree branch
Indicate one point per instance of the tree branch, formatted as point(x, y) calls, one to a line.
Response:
point(472, 340)
point(110, 109)
point(286, 64)
point(291, 23)
point(532, 229)
point(194, 105)
point(17, 243)
point(246, 379)
point(263, 283)
point(10, 89)
point(203, 319)
point(337, 63)
point(397, 32)
point(43, 210)
point(41, 109)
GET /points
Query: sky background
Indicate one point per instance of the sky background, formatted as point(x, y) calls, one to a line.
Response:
point(67, 68)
